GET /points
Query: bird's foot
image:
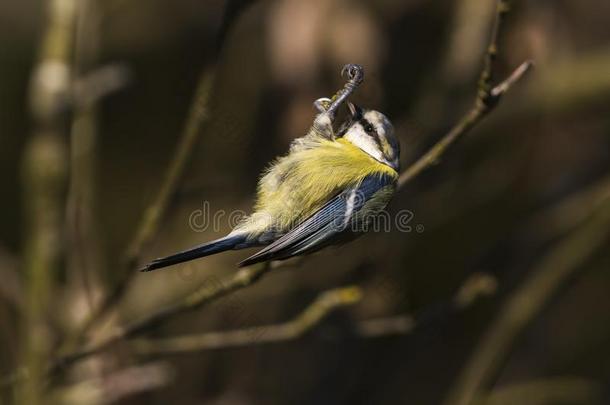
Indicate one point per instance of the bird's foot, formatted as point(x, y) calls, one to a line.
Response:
point(354, 73)
point(355, 76)
point(322, 104)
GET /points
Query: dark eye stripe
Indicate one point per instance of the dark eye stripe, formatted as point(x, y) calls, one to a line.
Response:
point(366, 124)
point(373, 133)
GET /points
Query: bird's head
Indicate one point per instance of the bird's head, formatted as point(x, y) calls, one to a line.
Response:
point(373, 133)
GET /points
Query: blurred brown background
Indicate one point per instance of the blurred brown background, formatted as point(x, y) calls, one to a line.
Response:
point(498, 202)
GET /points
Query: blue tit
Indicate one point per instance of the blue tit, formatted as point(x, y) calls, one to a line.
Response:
point(323, 192)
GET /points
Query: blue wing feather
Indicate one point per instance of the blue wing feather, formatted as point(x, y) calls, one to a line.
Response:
point(327, 223)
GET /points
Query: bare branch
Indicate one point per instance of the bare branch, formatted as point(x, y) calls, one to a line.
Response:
point(510, 81)
point(156, 211)
point(44, 176)
point(325, 303)
point(204, 295)
point(94, 86)
point(486, 100)
point(487, 74)
point(117, 386)
point(474, 287)
point(85, 259)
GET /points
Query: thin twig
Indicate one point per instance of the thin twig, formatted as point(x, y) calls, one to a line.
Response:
point(487, 74)
point(202, 296)
point(510, 81)
point(486, 100)
point(484, 104)
point(117, 386)
point(156, 211)
point(474, 287)
point(84, 258)
point(526, 303)
point(325, 303)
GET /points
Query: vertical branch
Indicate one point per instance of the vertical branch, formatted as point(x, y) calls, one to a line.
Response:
point(84, 257)
point(487, 74)
point(153, 215)
point(486, 100)
point(468, 37)
point(155, 212)
point(44, 172)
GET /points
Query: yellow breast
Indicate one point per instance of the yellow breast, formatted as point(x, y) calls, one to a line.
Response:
point(298, 184)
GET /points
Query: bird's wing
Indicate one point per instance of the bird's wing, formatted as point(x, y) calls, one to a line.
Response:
point(329, 221)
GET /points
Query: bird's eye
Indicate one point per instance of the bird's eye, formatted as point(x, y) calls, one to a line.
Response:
point(369, 128)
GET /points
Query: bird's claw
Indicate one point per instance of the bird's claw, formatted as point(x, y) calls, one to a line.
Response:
point(353, 72)
point(328, 107)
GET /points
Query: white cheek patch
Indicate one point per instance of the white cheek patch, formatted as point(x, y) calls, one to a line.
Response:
point(358, 137)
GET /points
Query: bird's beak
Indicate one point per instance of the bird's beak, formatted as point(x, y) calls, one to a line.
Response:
point(354, 110)
point(394, 164)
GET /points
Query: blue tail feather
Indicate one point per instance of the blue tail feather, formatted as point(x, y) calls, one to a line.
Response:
point(209, 248)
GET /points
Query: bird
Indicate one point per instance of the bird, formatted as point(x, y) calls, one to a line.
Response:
point(323, 192)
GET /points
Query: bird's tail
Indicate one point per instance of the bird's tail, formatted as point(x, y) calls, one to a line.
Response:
point(216, 246)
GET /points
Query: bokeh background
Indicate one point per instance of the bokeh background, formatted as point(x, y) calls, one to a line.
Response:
point(535, 173)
